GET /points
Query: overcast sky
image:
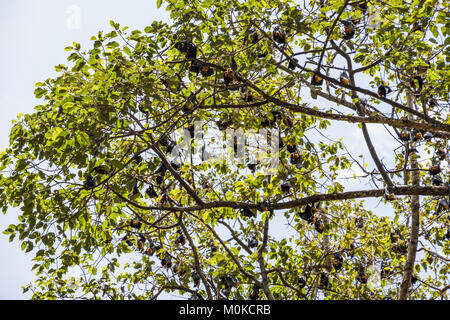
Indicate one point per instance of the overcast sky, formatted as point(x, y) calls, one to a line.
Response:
point(34, 35)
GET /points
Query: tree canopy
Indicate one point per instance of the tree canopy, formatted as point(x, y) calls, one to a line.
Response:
point(133, 168)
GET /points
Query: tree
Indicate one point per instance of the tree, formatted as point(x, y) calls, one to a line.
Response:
point(105, 184)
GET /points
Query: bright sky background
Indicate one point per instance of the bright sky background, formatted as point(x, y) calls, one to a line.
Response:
point(34, 35)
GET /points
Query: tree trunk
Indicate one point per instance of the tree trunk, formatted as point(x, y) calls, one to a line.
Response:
point(415, 221)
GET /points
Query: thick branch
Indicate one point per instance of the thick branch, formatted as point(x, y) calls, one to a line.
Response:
point(261, 262)
point(415, 223)
point(196, 259)
point(373, 193)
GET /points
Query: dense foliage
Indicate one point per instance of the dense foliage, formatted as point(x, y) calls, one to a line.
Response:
point(105, 186)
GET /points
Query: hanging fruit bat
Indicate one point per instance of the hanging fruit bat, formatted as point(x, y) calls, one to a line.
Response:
point(318, 225)
point(196, 279)
point(383, 91)
point(432, 102)
point(338, 261)
point(176, 269)
point(359, 222)
point(234, 65)
point(195, 66)
point(196, 296)
point(247, 213)
point(349, 29)
point(416, 27)
point(285, 187)
point(389, 193)
point(323, 281)
point(291, 148)
point(292, 63)
point(295, 158)
point(149, 251)
point(175, 165)
point(100, 169)
point(401, 248)
point(302, 282)
point(447, 234)
point(316, 79)
point(166, 262)
point(404, 135)
point(188, 48)
point(279, 35)
point(226, 281)
point(344, 78)
point(254, 294)
point(309, 212)
point(223, 125)
point(436, 180)
point(441, 206)
point(362, 275)
point(253, 242)
point(351, 250)
point(206, 71)
point(151, 192)
point(228, 76)
point(252, 37)
point(180, 240)
point(288, 121)
point(127, 240)
point(137, 158)
point(159, 179)
point(440, 153)
point(89, 183)
point(252, 167)
point(395, 236)
point(435, 167)
point(267, 122)
point(416, 84)
point(141, 241)
point(264, 206)
point(416, 135)
point(246, 94)
point(135, 189)
point(136, 223)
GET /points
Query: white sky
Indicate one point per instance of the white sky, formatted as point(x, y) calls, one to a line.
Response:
point(34, 35)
